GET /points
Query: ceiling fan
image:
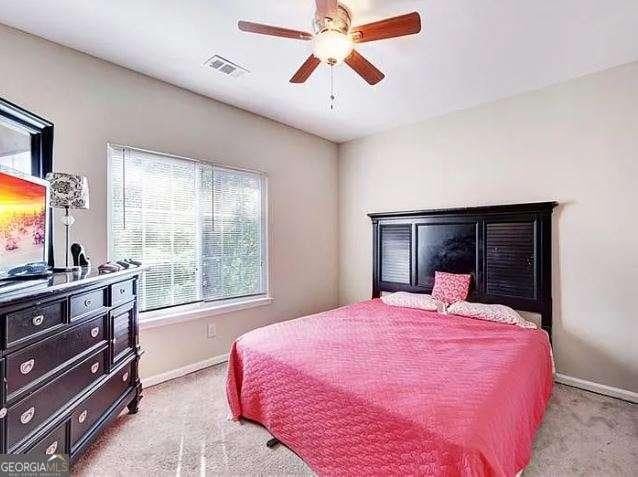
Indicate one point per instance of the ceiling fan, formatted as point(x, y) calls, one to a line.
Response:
point(334, 38)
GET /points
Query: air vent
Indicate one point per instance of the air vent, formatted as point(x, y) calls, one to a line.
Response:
point(226, 67)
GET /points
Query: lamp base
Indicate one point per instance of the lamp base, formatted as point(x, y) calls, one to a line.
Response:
point(66, 269)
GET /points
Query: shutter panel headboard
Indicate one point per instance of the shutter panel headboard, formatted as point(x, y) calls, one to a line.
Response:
point(510, 259)
point(396, 241)
point(506, 248)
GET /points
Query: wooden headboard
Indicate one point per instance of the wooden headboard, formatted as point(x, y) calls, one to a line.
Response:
point(506, 248)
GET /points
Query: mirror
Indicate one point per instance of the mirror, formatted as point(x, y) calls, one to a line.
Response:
point(26, 145)
point(26, 140)
point(15, 147)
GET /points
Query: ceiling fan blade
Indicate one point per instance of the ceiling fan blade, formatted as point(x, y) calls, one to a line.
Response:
point(365, 69)
point(273, 30)
point(389, 28)
point(326, 8)
point(306, 70)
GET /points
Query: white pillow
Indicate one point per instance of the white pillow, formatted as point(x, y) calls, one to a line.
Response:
point(500, 313)
point(421, 301)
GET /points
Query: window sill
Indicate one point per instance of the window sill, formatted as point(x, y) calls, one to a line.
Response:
point(179, 314)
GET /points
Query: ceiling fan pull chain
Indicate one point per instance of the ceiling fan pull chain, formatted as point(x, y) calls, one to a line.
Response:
point(332, 88)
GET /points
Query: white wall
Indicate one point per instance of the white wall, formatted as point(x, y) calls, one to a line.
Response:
point(577, 143)
point(91, 102)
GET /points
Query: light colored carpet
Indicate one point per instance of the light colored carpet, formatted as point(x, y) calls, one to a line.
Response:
point(182, 429)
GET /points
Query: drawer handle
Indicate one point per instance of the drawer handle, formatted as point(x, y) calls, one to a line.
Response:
point(122, 291)
point(88, 302)
point(27, 366)
point(27, 415)
point(52, 448)
point(95, 331)
point(82, 416)
point(37, 320)
point(95, 367)
point(125, 377)
point(3, 412)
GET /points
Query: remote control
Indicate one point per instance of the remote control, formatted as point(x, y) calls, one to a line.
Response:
point(37, 269)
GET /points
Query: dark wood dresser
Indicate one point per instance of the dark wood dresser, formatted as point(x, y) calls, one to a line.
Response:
point(69, 364)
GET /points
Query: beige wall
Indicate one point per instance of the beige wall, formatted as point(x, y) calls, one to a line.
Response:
point(575, 142)
point(92, 102)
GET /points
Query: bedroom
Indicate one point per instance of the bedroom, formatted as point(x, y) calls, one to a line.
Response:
point(497, 104)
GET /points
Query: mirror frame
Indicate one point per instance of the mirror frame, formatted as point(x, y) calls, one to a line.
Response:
point(41, 131)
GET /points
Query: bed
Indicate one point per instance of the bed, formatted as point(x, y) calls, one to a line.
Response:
point(371, 389)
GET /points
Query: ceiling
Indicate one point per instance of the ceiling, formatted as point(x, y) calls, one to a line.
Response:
point(468, 52)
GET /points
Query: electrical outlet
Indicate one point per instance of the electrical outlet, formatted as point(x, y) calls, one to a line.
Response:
point(210, 330)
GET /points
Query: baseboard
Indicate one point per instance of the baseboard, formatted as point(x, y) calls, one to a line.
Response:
point(597, 388)
point(183, 371)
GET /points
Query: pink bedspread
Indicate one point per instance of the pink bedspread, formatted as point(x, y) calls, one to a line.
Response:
point(373, 389)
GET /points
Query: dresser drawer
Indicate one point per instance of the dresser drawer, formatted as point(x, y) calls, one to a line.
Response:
point(87, 302)
point(122, 292)
point(33, 362)
point(52, 443)
point(29, 322)
point(122, 341)
point(26, 416)
point(92, 408)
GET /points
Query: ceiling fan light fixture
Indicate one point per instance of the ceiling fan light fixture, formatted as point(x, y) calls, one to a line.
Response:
point(332, 47)
point(334, 38)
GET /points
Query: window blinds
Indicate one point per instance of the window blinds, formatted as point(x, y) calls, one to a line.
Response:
point(198, 227)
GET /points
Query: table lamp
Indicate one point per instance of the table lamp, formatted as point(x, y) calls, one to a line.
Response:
point(68, 191)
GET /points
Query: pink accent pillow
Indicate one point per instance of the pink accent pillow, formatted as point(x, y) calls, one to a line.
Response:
point(421, 301)
point(450, 287)
point(500, 313)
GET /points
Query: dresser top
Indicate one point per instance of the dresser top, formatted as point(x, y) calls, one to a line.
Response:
point(62, 282)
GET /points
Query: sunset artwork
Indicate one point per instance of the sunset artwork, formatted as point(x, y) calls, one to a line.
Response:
point(22, 221)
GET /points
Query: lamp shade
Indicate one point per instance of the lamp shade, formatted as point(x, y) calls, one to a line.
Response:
point(68, 190)
point(332, 47)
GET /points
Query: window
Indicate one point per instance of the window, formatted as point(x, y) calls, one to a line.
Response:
point(199, 227)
